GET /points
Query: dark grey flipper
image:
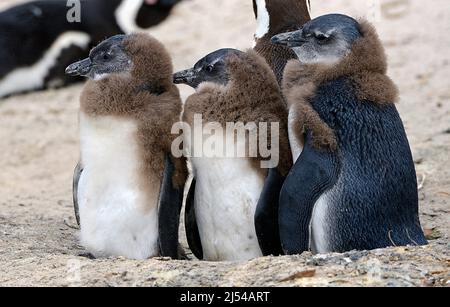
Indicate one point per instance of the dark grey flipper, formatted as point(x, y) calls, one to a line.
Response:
point(76, 178)
point(266, 216)
point(313, 174)
point(170, 204)
point(192, 233)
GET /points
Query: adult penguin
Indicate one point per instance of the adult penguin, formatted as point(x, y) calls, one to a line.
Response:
point(39, 39)
point(354, 184)
point(128, 188)
point(274, 17)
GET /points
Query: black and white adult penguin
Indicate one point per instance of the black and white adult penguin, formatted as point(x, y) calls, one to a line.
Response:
point(37, 41)
point(128, 186)
point(274, 17)
point(232, 205)
point(353, 185)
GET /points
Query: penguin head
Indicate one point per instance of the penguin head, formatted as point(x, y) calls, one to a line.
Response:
point(211, 68)
point(326, 39)
point(109, 57)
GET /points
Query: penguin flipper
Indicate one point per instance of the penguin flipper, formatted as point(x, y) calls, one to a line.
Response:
point(266, 216)
point(76, 179)
point(315, 172)
point(192, 233)
point(170, 204)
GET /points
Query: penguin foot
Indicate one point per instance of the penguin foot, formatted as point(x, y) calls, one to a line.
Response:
point(66, 222)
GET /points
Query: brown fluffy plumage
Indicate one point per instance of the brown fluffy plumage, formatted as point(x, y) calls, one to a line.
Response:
point(131, 96)
point(366, 66)
point(285, 16)
point(252, 95)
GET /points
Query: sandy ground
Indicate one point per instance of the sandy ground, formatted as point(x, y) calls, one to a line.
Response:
point(39, 149)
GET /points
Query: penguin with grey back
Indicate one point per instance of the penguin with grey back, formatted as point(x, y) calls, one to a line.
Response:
point(274, 17)
point(232, 205)
point(128, 188)
point(38, 41)
point(353, 185)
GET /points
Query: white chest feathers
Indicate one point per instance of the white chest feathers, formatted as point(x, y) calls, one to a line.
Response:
point(296, 145)
point(321, 238)
point(118, 216)
point(226, 196)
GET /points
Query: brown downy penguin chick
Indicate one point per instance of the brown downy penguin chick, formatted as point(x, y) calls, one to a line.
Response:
point(353, 185)
point(128, 187)
point(232, 205)
point(274, 17)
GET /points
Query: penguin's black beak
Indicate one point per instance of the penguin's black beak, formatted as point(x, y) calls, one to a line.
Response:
point(81, 68)
point(188, 77)
point(290, 39)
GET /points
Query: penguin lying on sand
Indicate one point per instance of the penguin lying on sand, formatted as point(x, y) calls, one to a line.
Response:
point(232, 206)
point(274, 17)
point(128, 187)
point(37, 41)
point(353, 185)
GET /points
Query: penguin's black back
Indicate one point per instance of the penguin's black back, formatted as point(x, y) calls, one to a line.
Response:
point(28, 30)
point(375, 202)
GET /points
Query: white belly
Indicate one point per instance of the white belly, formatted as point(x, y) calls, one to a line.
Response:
point(320, 227)
point(296, 146)
point(226, 196)
point(318, 235)
point(118, 217)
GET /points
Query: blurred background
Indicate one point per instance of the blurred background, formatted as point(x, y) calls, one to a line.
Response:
point(39, 138)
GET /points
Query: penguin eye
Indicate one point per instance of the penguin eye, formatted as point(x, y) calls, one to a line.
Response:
point(321, 37)
point(106, 56)
point(209, 68)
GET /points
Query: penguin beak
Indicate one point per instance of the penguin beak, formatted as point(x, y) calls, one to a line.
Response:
point(81, 68)
point(290, 39)
point(187, 77)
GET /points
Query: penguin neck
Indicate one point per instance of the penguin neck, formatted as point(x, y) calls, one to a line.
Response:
point(150, 80)
point(147, 84)
point(277, 57)
point(274, 17)
point(278, 16)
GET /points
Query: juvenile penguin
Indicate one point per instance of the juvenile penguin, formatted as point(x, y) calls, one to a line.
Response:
point(353, 185)
point(39, 39)
point(128, 187)
point(232, 205)
point(274, 17)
